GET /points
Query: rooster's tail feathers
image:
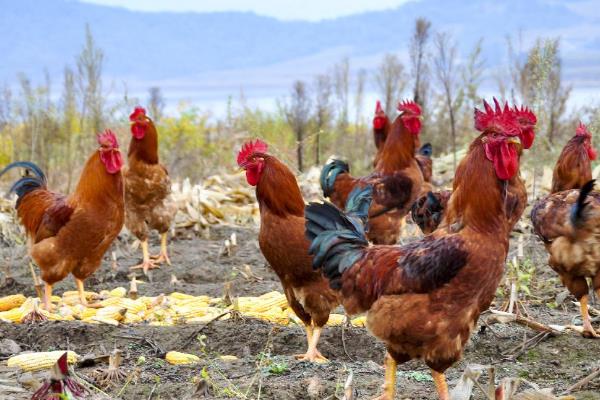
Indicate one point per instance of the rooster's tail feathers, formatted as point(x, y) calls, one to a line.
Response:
point(577, 210)
point(26, 183)
point(329, 174)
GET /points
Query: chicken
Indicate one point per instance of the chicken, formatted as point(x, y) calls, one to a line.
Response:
point(423, 299)
point(573, 168)
point(61, 385)
point(70, 234)
point(148, 201)
point(397, 179)
point(428, 210)
point(282, 242)
point(568, 223)
point(568, 233)
point(381, 127)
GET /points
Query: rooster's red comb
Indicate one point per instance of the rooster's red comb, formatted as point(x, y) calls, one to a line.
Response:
point(582, 130)
point(249, 148)
point(378, 109)
point(108, 138)
point(525, 116)
point(500, 119)
point(139, 110)
point(410, 107)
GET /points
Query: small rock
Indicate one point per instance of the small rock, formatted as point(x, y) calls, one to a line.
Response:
point(28, 381)
point(9, 347)
point(315, 388)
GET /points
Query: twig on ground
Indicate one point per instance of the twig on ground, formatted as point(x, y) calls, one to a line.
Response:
point(195, 334)
point(583, 382)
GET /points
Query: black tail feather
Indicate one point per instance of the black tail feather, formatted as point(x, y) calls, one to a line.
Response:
point(26, 183)
point(337, 240)
point(577, 211)
point(359, 202)
point(329, 174)
point(426, 150)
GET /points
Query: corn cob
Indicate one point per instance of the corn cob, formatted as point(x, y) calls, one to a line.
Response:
point(114, 312)
point(73, 293)
point(228, 358)
point(122, 302)
point(206, 318)
point(40, 361)
point(131, 318)
point(177, 358)
point(182, 296)
point(359, 321)
point(118, 292)
point(15, 315)
point(336, 319)
point(12, 301)
point(102, 320)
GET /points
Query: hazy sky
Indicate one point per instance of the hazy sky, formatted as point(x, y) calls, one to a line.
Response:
point(283, 9)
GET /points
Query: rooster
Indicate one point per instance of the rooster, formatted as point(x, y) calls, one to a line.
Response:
point(567, 219)
point(70, 234)
point(147, 190)
point(423, 299)
point(282, 242)
point(573, 168)
point(568, 223)
point(396, 181)
point(428, 210)
point(381, 127)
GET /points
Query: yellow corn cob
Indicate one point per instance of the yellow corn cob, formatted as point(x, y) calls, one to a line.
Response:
point(206, 318)
point(118, 292)
point(83, 312)
point(168, 322)
point(359, 321)
point(182, 296)
point(228, 358)
point(129, 304)
point(56, 317)
point(274, 316)
point(74, 293)
point(131, 318)
point(12, 301)
point(177, 358)
point(114, 312)
point(102, 320)
point(40, 361)
point(336, 319)
point(15, 315)
point(192, 301)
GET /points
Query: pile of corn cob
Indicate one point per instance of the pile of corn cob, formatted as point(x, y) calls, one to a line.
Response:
point(114, 308)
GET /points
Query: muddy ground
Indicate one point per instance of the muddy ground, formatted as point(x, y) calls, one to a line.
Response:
point(266, 368)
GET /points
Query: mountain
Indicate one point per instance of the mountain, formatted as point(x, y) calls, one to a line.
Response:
point(228, 51)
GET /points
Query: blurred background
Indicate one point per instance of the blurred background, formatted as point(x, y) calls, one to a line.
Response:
point(302, 75)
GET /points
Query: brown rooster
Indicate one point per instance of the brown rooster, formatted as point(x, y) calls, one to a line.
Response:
point(148, 204)
point(428, 210)
point(70, 234)
point(282, 241)
point(573, 168)
point(396, 181)
point(423, 299)
point(567, 221)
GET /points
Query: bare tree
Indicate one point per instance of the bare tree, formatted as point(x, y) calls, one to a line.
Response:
point(446, 71)
point(156, 103)
point(418, 59)
point(361, 77)
point(390, 80)
point(323, 110)
point(538, 81)
point(89, 79)
point(472, 74)
point(341, 82)
point(69, 125)
point(298, 116)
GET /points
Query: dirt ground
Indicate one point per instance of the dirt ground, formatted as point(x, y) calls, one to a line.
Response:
point(266, 368)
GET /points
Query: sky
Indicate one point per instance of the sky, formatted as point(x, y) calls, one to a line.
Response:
point(311, 10)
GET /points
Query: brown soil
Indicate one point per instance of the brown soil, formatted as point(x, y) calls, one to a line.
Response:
point(266, 367)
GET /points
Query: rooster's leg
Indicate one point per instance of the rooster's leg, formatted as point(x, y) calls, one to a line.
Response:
point(47, 297)
point(81, 292)
point(389, 386)
point(164, 254)
point(147, 263)
point(441, 385)
point(312, 354)
point(588, 329)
